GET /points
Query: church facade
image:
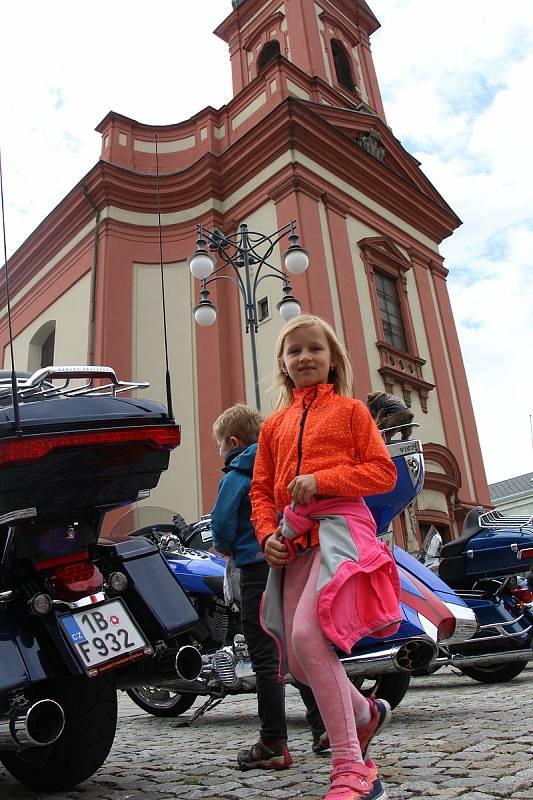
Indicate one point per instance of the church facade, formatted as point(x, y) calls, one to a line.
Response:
point(304, 138)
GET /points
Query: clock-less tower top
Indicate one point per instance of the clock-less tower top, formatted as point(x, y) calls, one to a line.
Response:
point(329, 40)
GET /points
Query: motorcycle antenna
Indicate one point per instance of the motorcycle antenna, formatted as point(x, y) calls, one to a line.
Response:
point(16, 407)
point(167, 375)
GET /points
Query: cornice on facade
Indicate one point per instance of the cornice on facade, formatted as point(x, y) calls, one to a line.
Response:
point(291, 128)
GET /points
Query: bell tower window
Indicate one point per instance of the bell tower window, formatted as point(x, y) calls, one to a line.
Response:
point(343, 69)
point(269, 51)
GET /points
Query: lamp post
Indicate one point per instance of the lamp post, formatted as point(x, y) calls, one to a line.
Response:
point(240, 252)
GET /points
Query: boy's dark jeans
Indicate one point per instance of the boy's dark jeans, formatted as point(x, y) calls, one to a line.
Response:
point(265, 660)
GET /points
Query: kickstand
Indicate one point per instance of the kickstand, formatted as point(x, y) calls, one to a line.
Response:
point(211, 702)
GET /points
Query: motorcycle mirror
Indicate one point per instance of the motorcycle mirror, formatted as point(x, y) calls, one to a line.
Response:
point(431, 545)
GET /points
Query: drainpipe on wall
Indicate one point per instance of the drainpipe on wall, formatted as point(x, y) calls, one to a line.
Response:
point(92, 309)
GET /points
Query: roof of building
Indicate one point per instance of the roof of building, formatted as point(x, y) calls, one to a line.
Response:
point(512, 487)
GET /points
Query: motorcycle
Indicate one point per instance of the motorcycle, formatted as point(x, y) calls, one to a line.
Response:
point(78, 619)
point(432, 614)
point(484, 566)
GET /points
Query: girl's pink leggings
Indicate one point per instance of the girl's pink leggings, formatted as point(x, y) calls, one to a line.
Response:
point(313, 661)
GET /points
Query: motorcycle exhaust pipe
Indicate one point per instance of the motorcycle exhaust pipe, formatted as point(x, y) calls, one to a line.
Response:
point(166, 668)
point(36, 725)
point(407, 657)
point(480, 659)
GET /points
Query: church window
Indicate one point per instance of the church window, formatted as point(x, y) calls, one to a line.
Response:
point(390, 311)
point(47, 350)
point(262, 309)
point(343, 68)
point(42, 346)
point(269, 51)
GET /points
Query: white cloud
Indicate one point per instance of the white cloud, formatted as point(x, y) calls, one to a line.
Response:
point(456, 80)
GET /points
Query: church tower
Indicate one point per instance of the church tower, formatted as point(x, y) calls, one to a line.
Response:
point(328, 41)
point(304, 138)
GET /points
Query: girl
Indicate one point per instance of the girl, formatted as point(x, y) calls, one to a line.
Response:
point(317, 456)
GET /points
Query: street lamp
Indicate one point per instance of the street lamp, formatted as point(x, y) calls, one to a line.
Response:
point(240, 252)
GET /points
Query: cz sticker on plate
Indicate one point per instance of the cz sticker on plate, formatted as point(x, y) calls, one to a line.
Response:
point(103, 633)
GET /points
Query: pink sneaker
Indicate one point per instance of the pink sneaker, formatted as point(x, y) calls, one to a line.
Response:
point(352, 780)
point(380, 716)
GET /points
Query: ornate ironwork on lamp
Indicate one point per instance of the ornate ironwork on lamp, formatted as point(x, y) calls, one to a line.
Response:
point(240, 252)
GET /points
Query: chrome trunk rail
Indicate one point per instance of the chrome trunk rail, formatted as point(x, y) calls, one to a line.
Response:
point(495, 519)
point(40, 383)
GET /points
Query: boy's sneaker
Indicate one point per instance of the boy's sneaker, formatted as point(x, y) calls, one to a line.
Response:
point(355, 781)
point(274, 755)
point(380, 716)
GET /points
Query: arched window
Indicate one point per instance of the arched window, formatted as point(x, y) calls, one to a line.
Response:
point(269, 51)
point(41, 348)
point(343, 69)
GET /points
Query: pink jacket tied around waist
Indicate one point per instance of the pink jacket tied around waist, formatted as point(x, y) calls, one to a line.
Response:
point(358, 584)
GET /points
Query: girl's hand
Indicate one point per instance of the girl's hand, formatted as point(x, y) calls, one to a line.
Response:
point(276, 554)
point(302, 488)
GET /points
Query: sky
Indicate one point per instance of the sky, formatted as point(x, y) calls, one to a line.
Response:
point(456, 79)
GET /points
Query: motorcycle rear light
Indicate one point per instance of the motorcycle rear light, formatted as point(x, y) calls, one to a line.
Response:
point(34, 448)
point(526, 552)
point(446, 629)
point(76, 580)
point(523, 595)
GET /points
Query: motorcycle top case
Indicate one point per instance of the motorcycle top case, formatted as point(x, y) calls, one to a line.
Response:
point(105, 471)
point(154, 596)
point(499, 552)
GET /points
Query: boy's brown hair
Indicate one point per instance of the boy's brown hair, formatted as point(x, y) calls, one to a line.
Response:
point(240, 421)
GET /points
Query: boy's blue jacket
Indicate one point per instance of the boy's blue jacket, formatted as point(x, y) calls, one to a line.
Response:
point(231, 526)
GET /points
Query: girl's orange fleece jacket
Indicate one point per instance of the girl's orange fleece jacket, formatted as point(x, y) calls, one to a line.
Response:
point(324, 434)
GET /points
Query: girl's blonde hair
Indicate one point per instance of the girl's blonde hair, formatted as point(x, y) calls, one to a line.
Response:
point(341, 375)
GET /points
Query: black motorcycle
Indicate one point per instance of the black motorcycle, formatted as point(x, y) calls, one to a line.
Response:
point(79, 619)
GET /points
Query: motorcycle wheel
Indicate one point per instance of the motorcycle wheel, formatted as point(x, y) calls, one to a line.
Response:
point(391, 687)
point(90, 708)
point(161, 701)
point(495, 674)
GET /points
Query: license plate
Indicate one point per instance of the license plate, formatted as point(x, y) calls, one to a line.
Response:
point(102, 633)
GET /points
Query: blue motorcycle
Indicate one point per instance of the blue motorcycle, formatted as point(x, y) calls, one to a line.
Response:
point(77, 619)
point(488, 568)
point(433, 615)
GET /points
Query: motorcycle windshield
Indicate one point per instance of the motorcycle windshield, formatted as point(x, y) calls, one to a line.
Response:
point(141, 517)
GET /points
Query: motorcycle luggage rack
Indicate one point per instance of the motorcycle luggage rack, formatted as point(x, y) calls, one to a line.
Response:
point(40, 383)
point(495, 518)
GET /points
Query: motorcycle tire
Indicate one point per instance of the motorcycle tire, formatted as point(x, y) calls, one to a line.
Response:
point(391, 687)
point(500, 673)
point(161, 701)
point(90, 708)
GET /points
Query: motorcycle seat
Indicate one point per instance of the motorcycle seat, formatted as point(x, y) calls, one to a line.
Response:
point(470, 529)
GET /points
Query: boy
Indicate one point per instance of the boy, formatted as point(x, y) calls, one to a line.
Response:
point(236, 432)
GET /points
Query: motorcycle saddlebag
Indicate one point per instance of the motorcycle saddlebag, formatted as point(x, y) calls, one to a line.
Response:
point(499, 552)
point(81, 452)
point(153, 595)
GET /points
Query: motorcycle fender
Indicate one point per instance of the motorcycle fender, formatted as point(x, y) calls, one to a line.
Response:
point(154, 596)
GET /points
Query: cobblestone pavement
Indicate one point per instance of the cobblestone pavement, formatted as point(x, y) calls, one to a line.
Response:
point(450, 737)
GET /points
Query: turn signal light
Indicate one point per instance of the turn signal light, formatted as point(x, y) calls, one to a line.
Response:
point(523, 596)
point(76, 580)
point(34, 448)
